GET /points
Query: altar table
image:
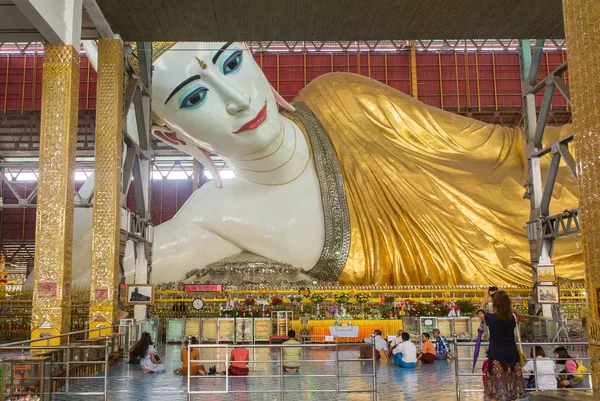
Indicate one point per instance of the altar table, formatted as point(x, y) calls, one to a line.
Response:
point(343, 331)
point(318, 329)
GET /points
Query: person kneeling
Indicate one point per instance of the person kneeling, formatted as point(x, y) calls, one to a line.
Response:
point(291, 355)
point(427, 354)
point(405, 353)
point(239, 365)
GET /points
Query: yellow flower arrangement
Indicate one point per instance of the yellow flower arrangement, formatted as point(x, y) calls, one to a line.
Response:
point(362, 297)
point(317, 297)
point(341, 297)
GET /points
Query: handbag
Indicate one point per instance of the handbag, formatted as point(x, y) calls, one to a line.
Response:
point(520, 349)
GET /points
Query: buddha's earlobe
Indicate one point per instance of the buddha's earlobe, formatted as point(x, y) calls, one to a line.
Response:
point(177, 140)
point(282, 102)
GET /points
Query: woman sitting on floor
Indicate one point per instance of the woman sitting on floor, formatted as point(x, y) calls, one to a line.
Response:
point(149, 363)
point(427, 354)
point(239, 361)
point(575, 377)
point(134, 355)
point(542, 368)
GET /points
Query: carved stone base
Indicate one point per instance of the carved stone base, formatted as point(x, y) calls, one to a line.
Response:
point(244, 269)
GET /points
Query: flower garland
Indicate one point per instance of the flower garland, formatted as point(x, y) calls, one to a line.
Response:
point(362, 297)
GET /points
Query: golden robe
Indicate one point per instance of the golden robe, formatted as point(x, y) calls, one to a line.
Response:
point(434, 197)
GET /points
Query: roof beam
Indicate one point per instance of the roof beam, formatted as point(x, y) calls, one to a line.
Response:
point(98, 19)
point(59, 21)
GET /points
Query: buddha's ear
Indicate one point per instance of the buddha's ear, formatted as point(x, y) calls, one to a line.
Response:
point(181, 143)
point(282, 102)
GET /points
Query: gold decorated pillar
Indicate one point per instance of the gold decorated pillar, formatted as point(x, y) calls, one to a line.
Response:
point(107, 186)
point(51, 309)
point(582, 32)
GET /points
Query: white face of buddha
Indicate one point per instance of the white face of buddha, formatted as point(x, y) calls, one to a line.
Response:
point(217, 95)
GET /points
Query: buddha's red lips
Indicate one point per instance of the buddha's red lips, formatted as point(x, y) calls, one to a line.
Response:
point(255, 122)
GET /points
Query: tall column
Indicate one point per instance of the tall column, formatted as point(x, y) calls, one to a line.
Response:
point(414, 84)
point(583, 40)
point(104, 284)
point(51, 309)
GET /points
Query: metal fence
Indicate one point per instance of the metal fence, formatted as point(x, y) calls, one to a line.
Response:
point(75, 360)
point(279, 374)
point(462, 370)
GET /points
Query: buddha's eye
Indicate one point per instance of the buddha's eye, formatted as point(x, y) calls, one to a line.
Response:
point(193, 97)
point(233, 62)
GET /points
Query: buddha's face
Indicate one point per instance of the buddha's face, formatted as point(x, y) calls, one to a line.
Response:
point(217, 95)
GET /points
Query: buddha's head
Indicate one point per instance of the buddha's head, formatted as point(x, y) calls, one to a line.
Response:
point(216, 96)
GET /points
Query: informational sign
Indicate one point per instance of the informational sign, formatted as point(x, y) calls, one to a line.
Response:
point(203, 288)
point(209, 329)
point(174, 330)
point(192, 327)
point(226, 330)
point(262, 329)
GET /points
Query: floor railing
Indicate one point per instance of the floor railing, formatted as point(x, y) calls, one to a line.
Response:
point(75, 360)
point(277, 372)
point(463, 370)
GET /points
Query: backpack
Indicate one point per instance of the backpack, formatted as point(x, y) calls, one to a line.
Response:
point(580, 369)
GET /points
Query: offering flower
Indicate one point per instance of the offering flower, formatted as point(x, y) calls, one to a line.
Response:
point(341, 297)
point(362, 297)
point(317, 297)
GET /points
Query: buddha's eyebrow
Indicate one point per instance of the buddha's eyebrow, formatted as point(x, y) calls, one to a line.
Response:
point(181, 85)
point(221, 50)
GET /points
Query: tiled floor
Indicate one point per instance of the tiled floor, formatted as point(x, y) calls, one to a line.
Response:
point(426, 383)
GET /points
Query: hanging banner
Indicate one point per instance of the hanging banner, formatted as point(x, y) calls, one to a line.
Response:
point(203, 288)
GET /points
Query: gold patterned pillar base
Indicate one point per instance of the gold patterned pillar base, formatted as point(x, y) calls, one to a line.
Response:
point(51, 309)
point(583, 41)
point(107, 187)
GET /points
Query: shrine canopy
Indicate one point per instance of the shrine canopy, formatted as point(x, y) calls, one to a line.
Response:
point(333, 20)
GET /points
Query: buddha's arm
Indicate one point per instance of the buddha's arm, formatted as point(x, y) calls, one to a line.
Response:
point(181, 246)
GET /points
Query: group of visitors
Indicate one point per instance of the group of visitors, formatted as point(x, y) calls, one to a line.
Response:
point(405, 354)
point(542, 372)
point(503, 374)
point(239, 358)
point(504, 377)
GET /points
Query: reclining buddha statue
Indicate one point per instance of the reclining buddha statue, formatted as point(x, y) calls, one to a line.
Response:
point(352, 182)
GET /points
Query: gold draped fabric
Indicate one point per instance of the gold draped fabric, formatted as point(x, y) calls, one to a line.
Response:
point(434, 197)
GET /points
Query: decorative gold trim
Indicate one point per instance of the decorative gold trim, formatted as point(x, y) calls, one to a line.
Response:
point(159, 48)
point(333, 197)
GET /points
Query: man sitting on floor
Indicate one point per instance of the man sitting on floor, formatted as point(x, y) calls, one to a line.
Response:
point(405, 353)
point(442, 348)
point(291, 355)
point(380, 346)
